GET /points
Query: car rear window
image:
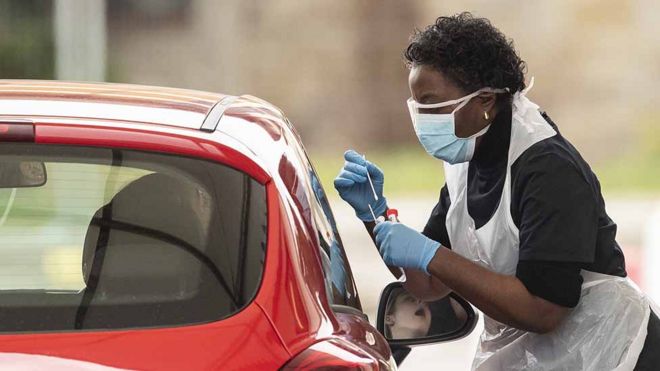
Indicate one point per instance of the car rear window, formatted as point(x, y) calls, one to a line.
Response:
point(115, 239)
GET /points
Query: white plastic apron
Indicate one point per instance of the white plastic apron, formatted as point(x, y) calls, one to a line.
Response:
point(607, 329)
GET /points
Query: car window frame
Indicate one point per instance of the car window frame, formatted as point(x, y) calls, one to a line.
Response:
point(325, 224)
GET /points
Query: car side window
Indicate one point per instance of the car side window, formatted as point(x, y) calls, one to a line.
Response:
point(339, 280)
point(114, 238)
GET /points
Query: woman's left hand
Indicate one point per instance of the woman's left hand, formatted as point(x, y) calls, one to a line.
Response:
point(404, 247)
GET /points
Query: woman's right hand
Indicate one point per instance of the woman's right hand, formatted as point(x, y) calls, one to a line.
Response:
point(353, 186)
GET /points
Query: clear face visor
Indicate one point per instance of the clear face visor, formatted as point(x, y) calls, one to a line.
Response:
point(416, 108)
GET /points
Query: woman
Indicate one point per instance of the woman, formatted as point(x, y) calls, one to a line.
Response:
point(520, 229)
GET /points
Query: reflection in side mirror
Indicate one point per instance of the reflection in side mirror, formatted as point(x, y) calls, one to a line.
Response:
point(404, 320)
point(19, 174)
point(410, 318)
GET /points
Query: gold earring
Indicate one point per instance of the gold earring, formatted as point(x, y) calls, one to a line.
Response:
point(486, 117)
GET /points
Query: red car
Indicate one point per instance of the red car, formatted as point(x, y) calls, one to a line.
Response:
point(156, 228)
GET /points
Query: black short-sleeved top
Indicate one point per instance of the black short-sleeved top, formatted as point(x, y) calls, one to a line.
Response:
point(556, 203)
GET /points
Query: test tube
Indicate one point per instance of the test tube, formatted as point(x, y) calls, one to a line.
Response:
point(393, 215)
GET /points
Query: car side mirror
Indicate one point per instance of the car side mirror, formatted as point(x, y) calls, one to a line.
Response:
point(19, 174)
point(405, 321)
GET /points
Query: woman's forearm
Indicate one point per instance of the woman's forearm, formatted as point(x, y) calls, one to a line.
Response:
point(501, 297)
point(424, 287)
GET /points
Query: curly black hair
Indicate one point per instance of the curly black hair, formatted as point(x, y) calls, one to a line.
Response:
point(470, 51)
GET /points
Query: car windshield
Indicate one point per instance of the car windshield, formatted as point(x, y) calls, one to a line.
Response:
point(119, 239)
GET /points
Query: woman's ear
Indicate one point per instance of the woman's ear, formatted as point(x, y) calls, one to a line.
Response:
point(487, 101)
point(389, 320)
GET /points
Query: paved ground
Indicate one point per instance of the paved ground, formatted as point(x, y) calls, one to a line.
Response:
point(371, 274)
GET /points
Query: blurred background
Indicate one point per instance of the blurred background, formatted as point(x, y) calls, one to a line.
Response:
point(336, 69)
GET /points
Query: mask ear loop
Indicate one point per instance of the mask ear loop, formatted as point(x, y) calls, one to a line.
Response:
point(463, 100)
point(444, 104)
point(466, 101)
point(476, 93)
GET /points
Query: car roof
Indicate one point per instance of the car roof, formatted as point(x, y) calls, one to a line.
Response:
point(257, 125)
point(106, 101)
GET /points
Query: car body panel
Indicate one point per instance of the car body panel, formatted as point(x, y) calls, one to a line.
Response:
point(357, 330)
point(199, 347)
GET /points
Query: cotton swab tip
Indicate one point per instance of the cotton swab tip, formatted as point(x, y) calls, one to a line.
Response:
point(372, 212)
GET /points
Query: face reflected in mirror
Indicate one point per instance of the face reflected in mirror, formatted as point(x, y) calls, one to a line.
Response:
point(409, 318)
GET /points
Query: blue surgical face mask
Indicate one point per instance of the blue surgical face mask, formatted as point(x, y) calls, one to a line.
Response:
point(437, 132)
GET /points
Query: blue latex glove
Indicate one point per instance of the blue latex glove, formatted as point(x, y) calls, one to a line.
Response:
point(353, 186)
point(402, 246)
